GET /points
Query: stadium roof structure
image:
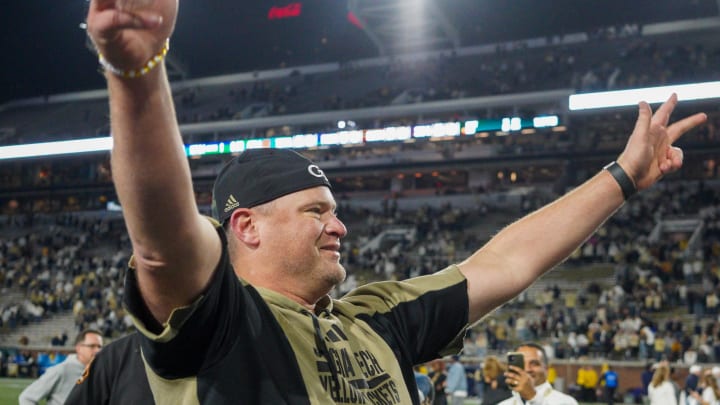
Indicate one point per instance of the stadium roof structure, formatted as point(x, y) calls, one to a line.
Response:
point(45, 52)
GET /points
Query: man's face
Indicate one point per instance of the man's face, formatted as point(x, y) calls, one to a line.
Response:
point(88, 348)
point(534, 364)
point(303, 232)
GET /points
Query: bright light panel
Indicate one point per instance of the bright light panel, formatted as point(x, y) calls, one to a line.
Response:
point(607, 99)
point(56, 148)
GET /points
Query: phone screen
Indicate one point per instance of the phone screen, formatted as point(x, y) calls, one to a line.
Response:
point(516, 359)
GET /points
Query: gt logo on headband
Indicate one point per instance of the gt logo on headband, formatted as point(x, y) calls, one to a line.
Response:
point(317, 172)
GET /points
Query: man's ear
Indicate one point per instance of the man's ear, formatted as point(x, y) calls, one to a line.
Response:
point(243, 226)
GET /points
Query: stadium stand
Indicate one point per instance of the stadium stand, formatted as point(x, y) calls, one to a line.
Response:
point(645, 287)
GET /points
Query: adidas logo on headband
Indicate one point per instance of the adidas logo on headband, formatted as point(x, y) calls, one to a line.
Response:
point(231, 203)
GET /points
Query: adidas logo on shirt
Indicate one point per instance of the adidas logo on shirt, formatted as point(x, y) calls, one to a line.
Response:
point(231, 203)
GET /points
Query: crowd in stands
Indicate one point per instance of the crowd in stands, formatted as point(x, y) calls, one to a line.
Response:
point(662, 301)
point(62, 263)
point(641, 313)
point(599, 64)
point(636, 62)
point(439, 237)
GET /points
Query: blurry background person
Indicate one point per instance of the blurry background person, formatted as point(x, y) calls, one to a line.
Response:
point(57, 382)
point(456, 382)
point(610, 380)
point(425, 388)
point(551, 375)
point(647, 376)
point(479, 382)
point(496, 390)
point(710, 391)
point(587, 380)
point(716, 373)
point(661, 390)
point(438, 377)
point(692, 382)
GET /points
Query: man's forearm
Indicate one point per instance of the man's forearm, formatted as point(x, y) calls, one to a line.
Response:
point(150, 169)
point(524, 250)
point(544, 238)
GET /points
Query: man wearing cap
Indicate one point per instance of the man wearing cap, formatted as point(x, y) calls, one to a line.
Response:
point(692, 380)
point(236, 309)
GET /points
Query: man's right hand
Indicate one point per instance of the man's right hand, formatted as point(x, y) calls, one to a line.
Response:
point(128, 33)
point(520, 381)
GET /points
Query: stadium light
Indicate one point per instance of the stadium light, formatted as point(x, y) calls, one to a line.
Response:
point(621, 98)
point(56, 148)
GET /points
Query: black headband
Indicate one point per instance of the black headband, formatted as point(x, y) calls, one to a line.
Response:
point(257, 176)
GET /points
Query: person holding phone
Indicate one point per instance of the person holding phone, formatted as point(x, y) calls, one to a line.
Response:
point(529, 383)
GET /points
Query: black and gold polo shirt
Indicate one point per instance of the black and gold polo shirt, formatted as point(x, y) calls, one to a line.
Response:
point(241, 345)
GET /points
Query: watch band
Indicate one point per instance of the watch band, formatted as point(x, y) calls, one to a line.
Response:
point(626, 184)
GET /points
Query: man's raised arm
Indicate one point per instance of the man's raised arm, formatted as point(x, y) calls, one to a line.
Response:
point(175, 249)
point(526, 249)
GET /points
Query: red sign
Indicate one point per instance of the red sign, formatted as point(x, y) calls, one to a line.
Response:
point(291, 10)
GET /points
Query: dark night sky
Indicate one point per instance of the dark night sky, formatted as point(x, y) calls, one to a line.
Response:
point(44, 48)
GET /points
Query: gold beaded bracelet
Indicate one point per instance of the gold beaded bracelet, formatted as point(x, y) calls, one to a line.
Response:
point(128, 74)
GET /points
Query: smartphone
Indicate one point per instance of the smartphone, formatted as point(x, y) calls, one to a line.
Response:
point(516, 359)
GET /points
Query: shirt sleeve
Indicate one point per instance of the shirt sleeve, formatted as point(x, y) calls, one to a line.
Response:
point(210, 325)
point(41, 388)
point(426, 317)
